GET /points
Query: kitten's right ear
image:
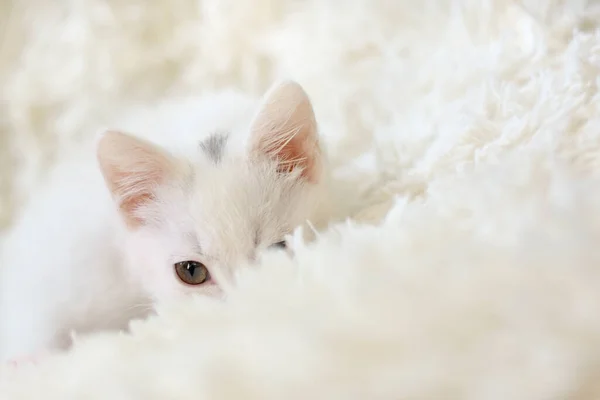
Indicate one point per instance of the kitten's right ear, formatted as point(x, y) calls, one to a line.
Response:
point(285, 130)
point(132, 168)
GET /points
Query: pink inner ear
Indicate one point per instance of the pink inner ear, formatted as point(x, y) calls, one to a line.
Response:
point(300, 151)
point(129, 204)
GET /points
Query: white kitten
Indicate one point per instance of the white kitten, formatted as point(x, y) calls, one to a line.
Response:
point(84, 258)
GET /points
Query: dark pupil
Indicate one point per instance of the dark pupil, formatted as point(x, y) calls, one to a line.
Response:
point(280, 244)
point(191, 268)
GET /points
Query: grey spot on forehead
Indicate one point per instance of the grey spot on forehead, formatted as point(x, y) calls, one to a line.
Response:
point(214, 146)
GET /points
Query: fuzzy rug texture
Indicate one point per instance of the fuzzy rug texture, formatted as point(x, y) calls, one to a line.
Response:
point(469, 131)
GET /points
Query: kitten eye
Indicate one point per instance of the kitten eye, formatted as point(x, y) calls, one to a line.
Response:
point(192, 272)
point(281, 245)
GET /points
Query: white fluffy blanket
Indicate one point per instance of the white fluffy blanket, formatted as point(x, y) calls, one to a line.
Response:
point(475, 123)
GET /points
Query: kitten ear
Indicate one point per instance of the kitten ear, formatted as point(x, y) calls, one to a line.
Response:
point(285, 130)
point(132, 169)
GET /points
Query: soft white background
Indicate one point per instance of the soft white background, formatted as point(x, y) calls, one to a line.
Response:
point(482, 117)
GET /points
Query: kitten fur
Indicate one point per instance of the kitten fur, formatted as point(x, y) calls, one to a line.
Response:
point(96, 246)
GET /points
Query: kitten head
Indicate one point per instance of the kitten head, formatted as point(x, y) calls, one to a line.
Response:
point(193, 219)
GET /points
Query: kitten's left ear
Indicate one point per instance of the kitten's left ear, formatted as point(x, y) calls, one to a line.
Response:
point(133, 169)
point(285, 130)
